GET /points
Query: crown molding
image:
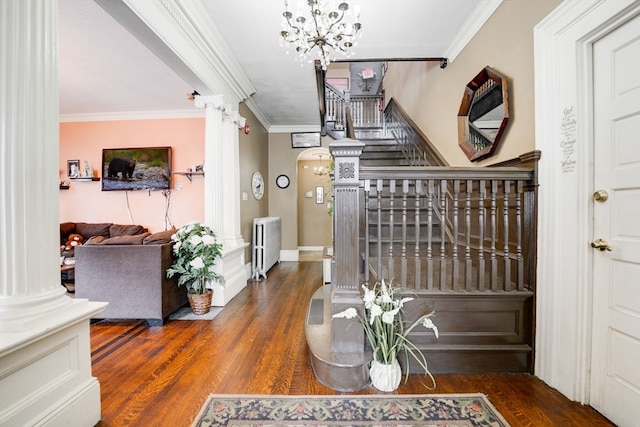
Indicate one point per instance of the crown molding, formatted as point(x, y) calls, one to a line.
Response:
point(186, 29)
point(480, 15)
point(132, 115)
point(294, 128)
point(264, 121)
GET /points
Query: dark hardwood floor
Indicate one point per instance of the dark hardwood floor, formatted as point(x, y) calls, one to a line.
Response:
point(161, 376)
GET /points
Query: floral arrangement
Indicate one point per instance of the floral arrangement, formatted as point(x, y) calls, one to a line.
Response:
point(384, 328)
point(195, 249)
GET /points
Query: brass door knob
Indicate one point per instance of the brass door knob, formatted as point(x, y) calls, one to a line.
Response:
point(601, 245)
point(600, 196)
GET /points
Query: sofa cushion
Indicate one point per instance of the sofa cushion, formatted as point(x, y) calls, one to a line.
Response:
point(159, 238)
point(95, 240)
point(125, 240)
point(125, 230)
point(88, 230)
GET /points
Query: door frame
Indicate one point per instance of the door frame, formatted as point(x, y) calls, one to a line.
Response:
point(564, 135)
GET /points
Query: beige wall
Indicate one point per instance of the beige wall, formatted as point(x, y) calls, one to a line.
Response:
point(254, 149)
point(431, 96)
point(314, 221)
point(284, 202)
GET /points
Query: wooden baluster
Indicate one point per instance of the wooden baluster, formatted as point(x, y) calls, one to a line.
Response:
point(454, 257)
point(392, 193)
point(430, 235)
point(505, 225)
point(367, 240)
point(403, 247)
point(493, 259)
point(519, 256)
point(443, 234)
point(468, 265)
point(416, 250)
point(481, 228)
point(379, 230)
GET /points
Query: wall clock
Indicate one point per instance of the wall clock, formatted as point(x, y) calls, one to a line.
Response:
point(257, 185)
point(282, 181)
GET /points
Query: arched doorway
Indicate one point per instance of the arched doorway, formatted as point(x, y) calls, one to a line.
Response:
point(314, 199)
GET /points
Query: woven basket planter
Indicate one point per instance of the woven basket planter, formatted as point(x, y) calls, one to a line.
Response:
point(200, 303)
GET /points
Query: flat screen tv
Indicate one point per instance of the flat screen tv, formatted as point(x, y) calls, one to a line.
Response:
point(127, 169)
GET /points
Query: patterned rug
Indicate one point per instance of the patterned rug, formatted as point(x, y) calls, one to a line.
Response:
point(365, 410)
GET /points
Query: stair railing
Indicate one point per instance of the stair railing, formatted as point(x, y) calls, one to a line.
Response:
point(415, 144)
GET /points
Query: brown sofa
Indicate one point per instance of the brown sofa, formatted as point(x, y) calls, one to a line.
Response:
point(128, 271)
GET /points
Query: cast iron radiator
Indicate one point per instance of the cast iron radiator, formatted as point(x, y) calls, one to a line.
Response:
point(266, 245)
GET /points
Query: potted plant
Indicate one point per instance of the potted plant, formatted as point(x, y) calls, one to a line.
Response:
point(388, 335)
point(195, 250)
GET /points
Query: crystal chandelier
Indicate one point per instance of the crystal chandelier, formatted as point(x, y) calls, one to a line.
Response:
point(321, 26)
point(320, 170)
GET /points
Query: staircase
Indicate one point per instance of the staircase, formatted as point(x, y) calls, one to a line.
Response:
point(459, 239)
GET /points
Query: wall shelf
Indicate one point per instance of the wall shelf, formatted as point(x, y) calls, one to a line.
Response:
point(189, 175)
point(85, 179)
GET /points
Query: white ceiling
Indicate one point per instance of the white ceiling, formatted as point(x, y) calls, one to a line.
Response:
point(106, 72)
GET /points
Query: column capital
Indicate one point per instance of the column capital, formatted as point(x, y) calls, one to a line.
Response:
point(346, 154)
point(217, 101)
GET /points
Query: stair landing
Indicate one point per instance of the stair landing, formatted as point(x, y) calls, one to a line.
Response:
point(345, 372)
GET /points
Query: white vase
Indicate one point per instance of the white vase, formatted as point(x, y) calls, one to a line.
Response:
point(385, 377)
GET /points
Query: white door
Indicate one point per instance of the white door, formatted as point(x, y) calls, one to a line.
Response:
point(615, 364)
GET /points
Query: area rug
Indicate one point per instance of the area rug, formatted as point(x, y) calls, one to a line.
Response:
point(186, 313)
point(364, 410)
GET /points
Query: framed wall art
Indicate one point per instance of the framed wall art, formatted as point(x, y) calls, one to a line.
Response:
point(305, 139)
point(73, 168)
point(319, 195)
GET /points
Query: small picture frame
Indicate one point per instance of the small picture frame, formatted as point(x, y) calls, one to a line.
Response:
point(73, 168)
point(319, 195)
point(305, 139)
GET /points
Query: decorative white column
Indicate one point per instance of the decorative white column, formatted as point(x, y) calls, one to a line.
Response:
point(44, 334)
point(231, 192)
point(222, 192)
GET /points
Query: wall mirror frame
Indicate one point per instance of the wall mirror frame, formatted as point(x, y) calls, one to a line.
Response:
point(483, 114)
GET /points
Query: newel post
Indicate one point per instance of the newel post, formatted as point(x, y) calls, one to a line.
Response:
point(347, 335)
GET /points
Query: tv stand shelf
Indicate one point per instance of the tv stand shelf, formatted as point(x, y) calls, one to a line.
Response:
point(189, 175)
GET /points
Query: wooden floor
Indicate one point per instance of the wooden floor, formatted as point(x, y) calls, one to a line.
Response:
point(161, 376)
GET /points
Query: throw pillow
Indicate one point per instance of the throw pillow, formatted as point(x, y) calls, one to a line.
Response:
point(125, 230)
point(125, 240)
point(88, 230)
point(159, 238)
point(95, 240)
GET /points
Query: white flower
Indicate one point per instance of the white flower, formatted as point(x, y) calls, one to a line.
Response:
point(174, 236)
point(176, 246)
point(385, 297)
point(196, 263)
point(349, 313)
point(388, 316)
point(369, 296)
point(375, 311)
point(195, 240)
point(403, 300)
point(189, 228)
point(208, 239)
point(428, 323)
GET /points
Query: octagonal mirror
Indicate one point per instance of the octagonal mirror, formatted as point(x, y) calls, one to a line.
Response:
point(483, 114)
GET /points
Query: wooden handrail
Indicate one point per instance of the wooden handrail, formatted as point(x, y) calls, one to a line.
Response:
point(407, 132)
